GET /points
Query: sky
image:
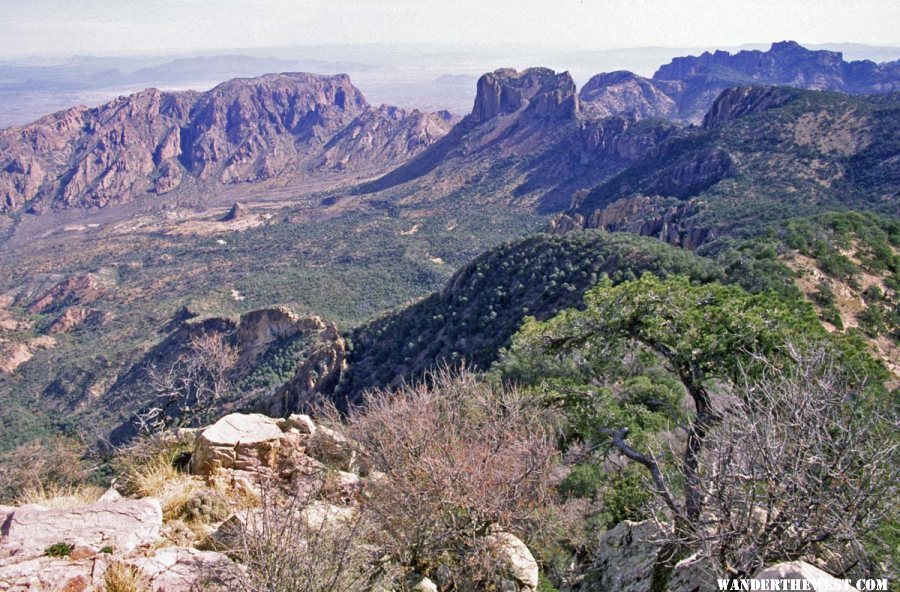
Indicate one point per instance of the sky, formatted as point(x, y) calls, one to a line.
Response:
point(130, 27)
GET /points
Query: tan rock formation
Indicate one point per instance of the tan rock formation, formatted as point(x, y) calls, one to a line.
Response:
point(237, 441)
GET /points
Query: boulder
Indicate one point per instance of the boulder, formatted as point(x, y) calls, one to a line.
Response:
point(800, 570)
point(515, 559)
point(302, 423)
point(425, 585)
point(124, 525)
point(110, 495)
point(320, 515)
point(301, 473)
point(237, 441)
point(333, 449)
point(183, 569)
point(343, 488)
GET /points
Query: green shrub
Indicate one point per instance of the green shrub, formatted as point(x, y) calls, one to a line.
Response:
point(59, 550)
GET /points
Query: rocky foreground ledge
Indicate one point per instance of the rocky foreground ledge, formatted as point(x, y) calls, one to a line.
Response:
point(78, 549)
point(71, 550)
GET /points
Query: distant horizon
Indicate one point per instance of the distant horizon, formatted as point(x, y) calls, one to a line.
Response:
point(155, 27)
point(258, 51)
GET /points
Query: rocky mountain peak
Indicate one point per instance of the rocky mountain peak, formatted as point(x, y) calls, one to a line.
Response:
point(614, 93)
point(541, 90)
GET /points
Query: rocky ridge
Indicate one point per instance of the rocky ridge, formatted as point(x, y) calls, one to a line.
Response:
point(684, 89)
point(244, 130)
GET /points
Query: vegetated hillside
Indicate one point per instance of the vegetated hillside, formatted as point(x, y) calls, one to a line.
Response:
point(484, 304)
point(684, 89)
point(848, 265)
point(763, 154)
point(244, 130)
point(122, 290)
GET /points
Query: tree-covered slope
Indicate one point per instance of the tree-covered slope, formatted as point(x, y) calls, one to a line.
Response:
point(484, 304)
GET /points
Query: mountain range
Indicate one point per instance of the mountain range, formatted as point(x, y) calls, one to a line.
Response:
point(131, 226)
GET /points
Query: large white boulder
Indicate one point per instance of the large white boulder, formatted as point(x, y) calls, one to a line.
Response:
point(244, 442)
point(516, 559)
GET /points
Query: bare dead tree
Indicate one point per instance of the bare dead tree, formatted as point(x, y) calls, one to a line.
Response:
point(191, 386)
point(459, 458)
point(804, 462)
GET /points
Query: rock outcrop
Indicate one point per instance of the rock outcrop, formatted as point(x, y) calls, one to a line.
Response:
point(240, 442)
point(623, 92)
point(668, 219)
point(244, 130)
point(541, 90)
point(124, 525)
point(626, 558)
point(527, 135)
point(740, 101)
point(516, 561)
point(686, 88)
point(70, 550)
point(185, 569)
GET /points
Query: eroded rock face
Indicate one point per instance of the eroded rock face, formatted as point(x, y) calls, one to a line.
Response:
point(319, 373)
point(615, 93)
point(668, 219)
point(124, 525)
point(506, 91)
point(259, 329)
point(81, 289)
point(385, 135)
point(744, 100)
point(626, 558)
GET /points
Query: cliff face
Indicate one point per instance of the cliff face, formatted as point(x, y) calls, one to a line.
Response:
point(244, 130)
point(744, 100)
point(788, 63)
point(528, 137)
point(669, 220)
point(540, 90)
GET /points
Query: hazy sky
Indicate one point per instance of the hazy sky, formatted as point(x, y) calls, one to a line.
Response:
point(155, 26)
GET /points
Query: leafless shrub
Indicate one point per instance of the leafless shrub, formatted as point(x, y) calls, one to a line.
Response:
point(52, 463)
point(192, 386)
point(295, 544)
point(803, 463)
point(458, 458)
